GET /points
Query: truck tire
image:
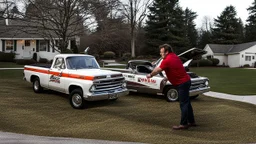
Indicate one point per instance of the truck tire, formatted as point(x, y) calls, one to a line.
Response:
point(171, 94)
point(36, 85)
point(76, 99)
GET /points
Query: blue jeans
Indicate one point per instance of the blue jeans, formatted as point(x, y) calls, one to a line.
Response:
point(187, 115)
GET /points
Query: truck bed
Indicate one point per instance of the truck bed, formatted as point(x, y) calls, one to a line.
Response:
point(41, 65)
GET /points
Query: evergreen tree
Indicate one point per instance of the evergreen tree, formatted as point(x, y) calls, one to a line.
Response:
point(191, 31)
point(204, 38)
point(166, 24)
point(227, 27)
point(250, 28)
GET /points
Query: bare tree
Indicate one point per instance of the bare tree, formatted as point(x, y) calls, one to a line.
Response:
point(61, 19)
point(5, 8)
point(135, 11)
point(206, 23)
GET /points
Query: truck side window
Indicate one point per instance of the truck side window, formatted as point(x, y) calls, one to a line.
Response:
point(59, 63)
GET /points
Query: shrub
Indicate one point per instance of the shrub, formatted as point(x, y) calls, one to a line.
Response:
point(205, 62)
point(97, 56)
point(246, 65)
point(25, 61)
point(67, 51)
point(35, 56)
point(140, 57)
point(109, 55)
point(7, 57)
point(126, 56)
point(215, 61)
point(43, 60)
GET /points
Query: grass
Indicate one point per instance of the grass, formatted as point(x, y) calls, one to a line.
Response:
point(235, 81)
point(10, 65)
point(133, 118)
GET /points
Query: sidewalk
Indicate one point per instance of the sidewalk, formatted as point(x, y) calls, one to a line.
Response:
point(10, 68)
point(13, 138)
point(242, 98)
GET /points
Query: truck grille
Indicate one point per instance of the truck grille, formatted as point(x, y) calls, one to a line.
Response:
point(197, 84)
point(108, 85)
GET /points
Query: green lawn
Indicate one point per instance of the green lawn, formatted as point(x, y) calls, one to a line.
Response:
point(230, 80)
point(133, 118)
point(10, 65)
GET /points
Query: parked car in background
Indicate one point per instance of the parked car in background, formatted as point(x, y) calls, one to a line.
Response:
point(136, 71)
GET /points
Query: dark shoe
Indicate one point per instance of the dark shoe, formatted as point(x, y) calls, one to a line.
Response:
point(180, 127)
point(192, 124)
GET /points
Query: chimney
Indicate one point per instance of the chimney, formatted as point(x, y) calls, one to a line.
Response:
point(7, 21)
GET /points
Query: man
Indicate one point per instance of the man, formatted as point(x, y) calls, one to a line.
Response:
point(179, 78)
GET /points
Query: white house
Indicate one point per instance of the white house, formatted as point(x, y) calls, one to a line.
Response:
point(232, 55)
point(14, 38)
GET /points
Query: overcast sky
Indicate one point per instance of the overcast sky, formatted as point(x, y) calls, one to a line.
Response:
point(213, 8)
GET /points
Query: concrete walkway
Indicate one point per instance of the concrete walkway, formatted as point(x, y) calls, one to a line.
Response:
point(242, 98)
point(13, 138)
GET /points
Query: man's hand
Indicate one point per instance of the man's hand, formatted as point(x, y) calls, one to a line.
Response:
point(149, 76)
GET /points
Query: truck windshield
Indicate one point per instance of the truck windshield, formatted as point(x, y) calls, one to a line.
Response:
point(82, 62)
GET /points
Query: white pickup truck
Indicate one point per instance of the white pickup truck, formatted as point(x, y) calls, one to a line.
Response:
point(79, 76)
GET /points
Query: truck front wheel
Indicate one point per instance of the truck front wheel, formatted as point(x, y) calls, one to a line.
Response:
point(76, 99)
point(171, 94)
point(36, 85)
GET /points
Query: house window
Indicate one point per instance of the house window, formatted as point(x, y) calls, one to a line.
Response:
point(9, 45)
point(43, 45)
point(242, 56)
point(247, 58)
point(27, 42)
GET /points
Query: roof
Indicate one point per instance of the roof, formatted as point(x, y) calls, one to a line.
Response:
point(226, 49)
point(19, 29)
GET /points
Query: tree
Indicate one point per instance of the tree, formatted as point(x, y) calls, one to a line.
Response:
point(6, 7)
point(135, 12)
point(190, 26)
point(112, 32)
point(61, 19)
point(205, 33)
point(166, 24)
point(227, 28)
point(250, 27)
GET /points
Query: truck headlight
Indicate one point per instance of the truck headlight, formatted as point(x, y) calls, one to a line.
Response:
point(124, 85)
point(206, 83)
point(92, 88)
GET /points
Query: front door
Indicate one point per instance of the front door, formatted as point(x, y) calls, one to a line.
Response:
point(55, 75)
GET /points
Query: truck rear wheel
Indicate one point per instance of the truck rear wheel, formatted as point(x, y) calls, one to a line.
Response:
point(171, 94)
point(76, 99)
point(36, 85)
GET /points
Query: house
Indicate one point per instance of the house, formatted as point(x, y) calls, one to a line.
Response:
point(25, 41)
point(232, 55)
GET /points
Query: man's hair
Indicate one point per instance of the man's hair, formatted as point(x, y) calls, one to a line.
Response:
point(166, 47)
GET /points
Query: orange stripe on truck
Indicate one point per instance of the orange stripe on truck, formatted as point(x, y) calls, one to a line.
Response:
point(36, 70)
point(75, 76)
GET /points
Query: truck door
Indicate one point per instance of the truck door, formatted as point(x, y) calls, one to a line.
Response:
point(55, 79)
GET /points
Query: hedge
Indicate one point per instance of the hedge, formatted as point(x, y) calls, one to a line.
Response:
point(25, 61)
point(109, 55)
point(7, 57)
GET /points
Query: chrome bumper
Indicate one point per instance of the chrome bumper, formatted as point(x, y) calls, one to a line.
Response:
point(106, 95)
point(198, 91)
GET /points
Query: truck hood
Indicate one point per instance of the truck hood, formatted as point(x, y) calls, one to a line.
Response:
point(190, 54)
point(95, 72)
